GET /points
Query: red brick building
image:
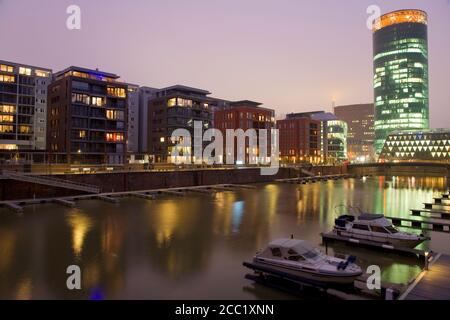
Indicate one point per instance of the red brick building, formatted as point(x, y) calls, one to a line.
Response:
point(299, 140)
point(245, 115)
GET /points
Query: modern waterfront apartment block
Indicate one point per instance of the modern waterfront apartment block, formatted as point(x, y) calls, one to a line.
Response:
point(299, 140)
point(332, 135)
point(361, 131)
point(409, 146)
point(87, 117)
point(400, 65)
point(23, 106)
point(245, 115)
point(171, 108)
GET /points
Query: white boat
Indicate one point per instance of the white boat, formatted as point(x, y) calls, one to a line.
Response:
point(299, 259)
point(375, 228)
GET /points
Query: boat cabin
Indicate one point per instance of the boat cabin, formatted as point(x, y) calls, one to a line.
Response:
point(290, 249)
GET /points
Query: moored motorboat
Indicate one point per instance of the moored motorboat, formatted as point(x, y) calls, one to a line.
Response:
point(375, 228)
point(299, 260)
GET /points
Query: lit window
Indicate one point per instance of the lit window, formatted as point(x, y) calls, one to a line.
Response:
point(7, 108)
point(172, 102)
point(24, 129)
point(25, 71)
point(114, 137)
point(117, 92)
point(82, 134)
point(44, 74)
point(6, 129)
point(115, 114)
point(8, 147)
point(6, 68)
point(5, 78)
point(97, 101)
point(162, 139)
point(5, 118)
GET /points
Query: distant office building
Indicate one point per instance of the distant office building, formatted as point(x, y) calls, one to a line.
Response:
point(299, 140)
point(245, 115)
point(333, 135)
point(400, 63)
point(87, 117)
point(361, 131)
point(133, 119)
point(23, 106)
point(409, 146)
point(145, 95)
point(172, 108)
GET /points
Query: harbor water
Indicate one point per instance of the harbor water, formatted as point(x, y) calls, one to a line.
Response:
point(193, 247)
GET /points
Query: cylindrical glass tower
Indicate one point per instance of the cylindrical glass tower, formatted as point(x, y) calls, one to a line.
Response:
point(400, 65)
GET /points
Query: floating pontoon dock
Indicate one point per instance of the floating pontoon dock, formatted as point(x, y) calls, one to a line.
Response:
point(329, 237)
point(313, 179)
point(432, 284)
point(113, 197)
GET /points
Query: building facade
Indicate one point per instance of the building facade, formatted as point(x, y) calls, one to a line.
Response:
point(176, 107)
point(332, 135)
point(361, 131)
point(400, 65)
point(409, 146)
point(245, 115)
point(133, 119)
point(23, 106)
point(87, 117)
point(145, 95)
point(299, 140)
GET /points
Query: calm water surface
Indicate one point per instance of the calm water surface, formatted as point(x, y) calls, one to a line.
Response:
point(192, 247)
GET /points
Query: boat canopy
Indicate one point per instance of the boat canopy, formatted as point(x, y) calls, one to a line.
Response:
point(370, 216)
point(299, 246)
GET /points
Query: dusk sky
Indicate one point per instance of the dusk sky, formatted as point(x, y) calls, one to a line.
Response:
point(291, 55)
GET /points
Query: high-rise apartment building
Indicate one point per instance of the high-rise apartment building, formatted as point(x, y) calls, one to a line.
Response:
point(176, 107)
point(23, 106)
point(361, 131)
point(87, 117)
point(400, 65)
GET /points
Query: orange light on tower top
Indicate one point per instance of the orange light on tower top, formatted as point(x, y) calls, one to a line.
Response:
point(400, 16)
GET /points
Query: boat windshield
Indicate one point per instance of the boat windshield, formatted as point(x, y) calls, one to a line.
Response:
point(391, 229)
point(313, 254)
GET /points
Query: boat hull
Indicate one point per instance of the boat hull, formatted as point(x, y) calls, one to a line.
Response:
point(308, 275)
point(396, 242)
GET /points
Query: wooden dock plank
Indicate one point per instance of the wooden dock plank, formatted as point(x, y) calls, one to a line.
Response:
point(433, 284)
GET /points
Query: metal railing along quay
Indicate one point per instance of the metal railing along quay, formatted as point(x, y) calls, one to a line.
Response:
point(50, 181)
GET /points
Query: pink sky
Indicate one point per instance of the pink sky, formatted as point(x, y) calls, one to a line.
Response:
point(292, 55)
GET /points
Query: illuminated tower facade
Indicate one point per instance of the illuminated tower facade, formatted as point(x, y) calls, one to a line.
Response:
point(400, 63)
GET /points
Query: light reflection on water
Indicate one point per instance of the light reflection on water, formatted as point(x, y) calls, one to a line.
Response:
point(192, 247)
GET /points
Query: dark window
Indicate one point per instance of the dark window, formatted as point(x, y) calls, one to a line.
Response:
point(391, 229)
point(379, 229)
point(276, 252)
point(361, 227)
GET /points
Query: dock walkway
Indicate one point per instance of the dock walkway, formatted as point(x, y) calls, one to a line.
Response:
point(432, 284)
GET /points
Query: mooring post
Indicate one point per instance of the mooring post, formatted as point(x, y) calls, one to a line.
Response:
point(427, 254)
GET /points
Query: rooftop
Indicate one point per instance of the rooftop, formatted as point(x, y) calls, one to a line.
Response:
point(400, 16)
point(24, 65)
point(186, 89)
point(95, 73)
point(245, 103)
